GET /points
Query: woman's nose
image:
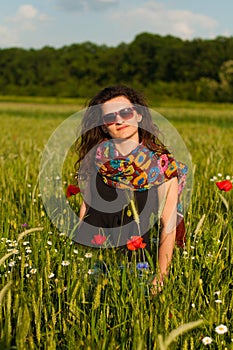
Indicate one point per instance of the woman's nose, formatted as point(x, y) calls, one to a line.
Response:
point(118, 119)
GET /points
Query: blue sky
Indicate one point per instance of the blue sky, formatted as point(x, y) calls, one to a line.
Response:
point(38, 23)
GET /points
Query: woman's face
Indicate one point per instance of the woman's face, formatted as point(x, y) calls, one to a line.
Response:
point(121, 119)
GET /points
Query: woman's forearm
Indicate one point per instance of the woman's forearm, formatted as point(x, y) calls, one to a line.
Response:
point(166, 247)
point(168, 228)
point(83, 210)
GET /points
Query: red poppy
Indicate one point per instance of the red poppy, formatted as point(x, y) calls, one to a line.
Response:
point(72, 190)
point(98, 239)
point(224, 185)
point(135, 243)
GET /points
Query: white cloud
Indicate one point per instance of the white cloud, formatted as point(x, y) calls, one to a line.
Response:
point(86, 5)
point(26, 19)
point(157, 18)
point(26, 12)
point(8, 36)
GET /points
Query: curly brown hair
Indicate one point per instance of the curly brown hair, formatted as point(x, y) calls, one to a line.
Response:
point(93, 134)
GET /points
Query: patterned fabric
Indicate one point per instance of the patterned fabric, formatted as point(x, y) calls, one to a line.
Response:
point(138, 171)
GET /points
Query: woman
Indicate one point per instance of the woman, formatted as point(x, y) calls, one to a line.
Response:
point(126, 174)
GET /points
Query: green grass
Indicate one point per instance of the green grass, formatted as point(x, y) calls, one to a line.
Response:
point(45, 305)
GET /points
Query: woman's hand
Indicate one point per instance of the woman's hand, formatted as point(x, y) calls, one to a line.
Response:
point(157, 285)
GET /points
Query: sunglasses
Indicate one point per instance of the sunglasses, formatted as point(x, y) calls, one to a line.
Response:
point(125, 114)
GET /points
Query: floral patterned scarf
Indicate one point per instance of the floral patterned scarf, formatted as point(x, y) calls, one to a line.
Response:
point(138, 171)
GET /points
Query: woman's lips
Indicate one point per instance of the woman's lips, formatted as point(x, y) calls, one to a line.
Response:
point(122, 127)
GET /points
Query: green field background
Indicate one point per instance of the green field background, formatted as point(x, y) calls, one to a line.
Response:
point(52, 294)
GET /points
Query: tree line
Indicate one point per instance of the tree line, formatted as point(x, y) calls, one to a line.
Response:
point(161, 66)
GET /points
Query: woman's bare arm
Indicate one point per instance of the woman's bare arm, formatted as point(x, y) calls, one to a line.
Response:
point(83, 210)
point(168, 193)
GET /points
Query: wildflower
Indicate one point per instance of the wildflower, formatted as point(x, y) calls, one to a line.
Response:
point(33, 271)
point(88, 255)
point(51, 275)
point(72, 190)
point(11, 263)
point(193, 305)
point(49, 243)
point(224, 185)
point(218, 301)
point(13, 244)
point(65, 263)
point(98, 239)
point(24, 225)
point(75, 251)
point(135, 243)
point(206, 340)
point(26, 242)
point(129, 213)
point(91, 271)
point(221, 329)
point(142, 265)
point(217, 292)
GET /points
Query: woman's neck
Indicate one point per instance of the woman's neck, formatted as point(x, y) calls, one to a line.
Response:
point(125, 146)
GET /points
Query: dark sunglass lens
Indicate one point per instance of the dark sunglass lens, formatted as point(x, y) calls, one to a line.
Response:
point(109, 118)
point(126, 113)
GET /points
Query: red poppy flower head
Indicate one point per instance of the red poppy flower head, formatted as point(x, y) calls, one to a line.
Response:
point(72, 190)
point(98, 239)
point(135, 243)
point(224, 185)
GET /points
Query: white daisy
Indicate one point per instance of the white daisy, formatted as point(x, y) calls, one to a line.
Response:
point(206, 340)
point(217, 292)
point(88, 255)
point(221, 329)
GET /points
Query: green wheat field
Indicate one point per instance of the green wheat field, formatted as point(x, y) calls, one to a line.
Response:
point(57, 295)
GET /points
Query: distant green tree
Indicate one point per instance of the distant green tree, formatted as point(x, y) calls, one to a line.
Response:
point(166, 66)
point(226, 79)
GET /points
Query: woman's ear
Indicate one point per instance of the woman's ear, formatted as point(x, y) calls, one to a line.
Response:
point(139, 118)
point(104, 128)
